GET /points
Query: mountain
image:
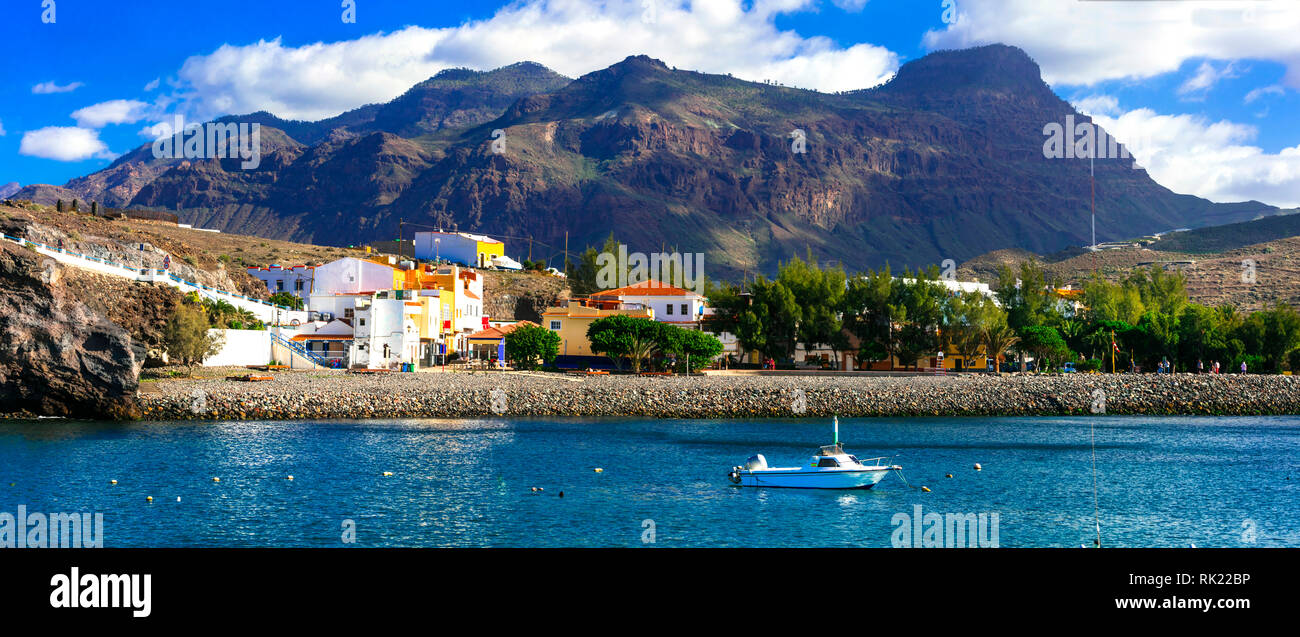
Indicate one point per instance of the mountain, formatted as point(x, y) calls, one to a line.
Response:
point(9, 189)
point(1232, 236)
point(945, 161)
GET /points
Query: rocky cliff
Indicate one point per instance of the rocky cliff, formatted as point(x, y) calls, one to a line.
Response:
point(57, 356)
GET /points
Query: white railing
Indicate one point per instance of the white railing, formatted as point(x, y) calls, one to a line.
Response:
point(264, 310)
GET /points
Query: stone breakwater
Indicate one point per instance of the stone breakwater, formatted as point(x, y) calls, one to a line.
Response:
point(308, 395)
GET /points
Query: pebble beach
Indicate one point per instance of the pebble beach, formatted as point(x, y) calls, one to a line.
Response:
point(316, 395)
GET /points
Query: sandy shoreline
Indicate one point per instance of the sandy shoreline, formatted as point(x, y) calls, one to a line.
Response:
point(316, 395)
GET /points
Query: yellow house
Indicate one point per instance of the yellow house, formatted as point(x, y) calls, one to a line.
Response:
point(571, 322)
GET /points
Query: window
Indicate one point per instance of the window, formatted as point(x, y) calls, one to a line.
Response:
point(279, 285)
point(686, 310)
point(347, 313)
point(555, 325)
point(670, 309)
point(297, 285)
point(361, 322)
point(828, 462)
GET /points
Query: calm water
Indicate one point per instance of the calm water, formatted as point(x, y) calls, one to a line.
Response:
point(1162, 481)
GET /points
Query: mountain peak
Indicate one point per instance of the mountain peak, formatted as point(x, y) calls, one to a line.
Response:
point(996, 67)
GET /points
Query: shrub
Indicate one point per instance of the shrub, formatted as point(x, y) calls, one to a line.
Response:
point(532, 346)
point(186, 338)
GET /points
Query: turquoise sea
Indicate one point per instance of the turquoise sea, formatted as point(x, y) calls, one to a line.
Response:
point(1160, 481)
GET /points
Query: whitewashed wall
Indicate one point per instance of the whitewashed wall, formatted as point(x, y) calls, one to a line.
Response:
point(243, 347)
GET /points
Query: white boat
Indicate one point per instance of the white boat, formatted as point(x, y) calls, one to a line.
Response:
point(831, 468)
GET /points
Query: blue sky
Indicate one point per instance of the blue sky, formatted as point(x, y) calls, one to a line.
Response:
point(1206, 90)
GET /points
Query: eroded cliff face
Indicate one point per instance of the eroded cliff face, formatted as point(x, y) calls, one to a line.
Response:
point(946, 161)
point(57, 356)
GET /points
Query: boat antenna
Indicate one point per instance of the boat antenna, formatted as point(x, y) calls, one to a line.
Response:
point(1096, 509)
point(835, 420)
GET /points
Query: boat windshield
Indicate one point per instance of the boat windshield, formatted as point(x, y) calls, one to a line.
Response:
point(828, 462)
point(855, 460)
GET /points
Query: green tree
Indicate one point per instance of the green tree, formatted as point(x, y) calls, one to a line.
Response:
point(532, 346)
point(967, 319)
point(999, 338)
point(186, 339)
point(868, 314)
point(819, 295)
point(685, 344)
point(621, 336)
point(921, 300)
point(1046, 344)
point(286, 299)
point(1026, 294)
point(582, 275)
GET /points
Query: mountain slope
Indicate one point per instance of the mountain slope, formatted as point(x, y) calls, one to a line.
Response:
point(945, 161)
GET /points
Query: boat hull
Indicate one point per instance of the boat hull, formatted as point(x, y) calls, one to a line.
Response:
point(795, 479)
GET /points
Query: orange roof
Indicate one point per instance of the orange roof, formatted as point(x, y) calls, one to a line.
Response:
point(649, 287)
point(496, 333)
point(471, 295)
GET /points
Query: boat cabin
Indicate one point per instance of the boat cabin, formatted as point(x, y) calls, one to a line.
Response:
point(831, 456)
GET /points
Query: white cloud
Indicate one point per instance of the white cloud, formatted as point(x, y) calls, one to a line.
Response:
point(1097, 105)
point(852, 6)
point(1082, 43)
point(110, 112)
point(1207, 75)
point(64, 143)
point(1255, 94)
point(152, 85)
point(1215, 160)
point(45, 88)
point(572, 37)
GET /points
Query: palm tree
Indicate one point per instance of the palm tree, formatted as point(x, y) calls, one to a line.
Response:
point(998, 339)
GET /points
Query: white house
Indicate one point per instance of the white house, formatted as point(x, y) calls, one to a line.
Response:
point(670, 304)
point(473, 250)
point(350, 275)
point(386, 330)
point(296, 280)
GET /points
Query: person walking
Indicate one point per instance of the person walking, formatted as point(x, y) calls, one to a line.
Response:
point(1243, 367)
point(1200, 366)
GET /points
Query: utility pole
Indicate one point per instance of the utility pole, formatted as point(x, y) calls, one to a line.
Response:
point(566, 254)
point(400, 221)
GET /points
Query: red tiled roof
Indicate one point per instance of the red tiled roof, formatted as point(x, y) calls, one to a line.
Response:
point(649, 287)
point(321, 337)
point(495, 333)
